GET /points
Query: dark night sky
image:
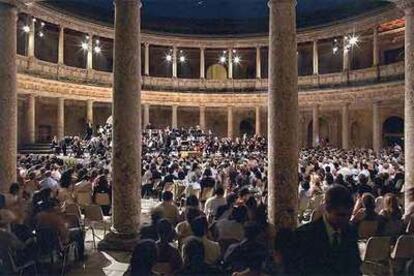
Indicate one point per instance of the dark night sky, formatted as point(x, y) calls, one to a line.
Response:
point(218, 16)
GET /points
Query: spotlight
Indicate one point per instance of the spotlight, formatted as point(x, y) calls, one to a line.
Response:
point(234, 51)
point(97, 49)
point(222, 59)
point(42, 24)
point(182, 59)
point(26, 29)
point(237, 59)
point(34, 20)
point(168, 58)
point(353, 40)
point(41, 34)
point(97, 42)
point(335, 49)
point(85, 46)
point(87, 37)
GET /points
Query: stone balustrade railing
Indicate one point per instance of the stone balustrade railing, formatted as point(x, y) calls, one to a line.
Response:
point(383, 73)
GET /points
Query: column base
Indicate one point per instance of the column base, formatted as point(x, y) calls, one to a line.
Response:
point(118, 242)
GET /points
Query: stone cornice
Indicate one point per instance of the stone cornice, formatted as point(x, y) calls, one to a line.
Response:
point(360, 23)
point(404, 4)
point(329, 97)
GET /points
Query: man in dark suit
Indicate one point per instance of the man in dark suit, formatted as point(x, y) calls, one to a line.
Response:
point(327, 246)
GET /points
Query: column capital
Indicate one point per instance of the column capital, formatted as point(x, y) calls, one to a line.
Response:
point(146, 44)
point(128, 2)
point(271, 2)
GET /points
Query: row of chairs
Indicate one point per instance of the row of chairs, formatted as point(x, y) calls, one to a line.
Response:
point(380, 258)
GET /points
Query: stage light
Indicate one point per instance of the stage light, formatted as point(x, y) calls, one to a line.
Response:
point(353, 40)
point(41, 34)
point(222, 59)
point(97, 49)
point(42, 24)
point(335, 49)
point(237, 59)
point(182, 59)
point(34, 20)
point(85, 46)
point(97, 42)
point(168, 58)
point(26, 29)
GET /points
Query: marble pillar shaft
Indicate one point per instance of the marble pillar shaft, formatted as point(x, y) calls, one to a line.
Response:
point(174, 62)
point(174, 117)
point(146, 115)
point(8, 96)
point(202, 64)
point(315, 58)
point(61, 119)
point(346, 57)
point(31, 119)
point(409, 106)
point(230, 122)
point(375, 48)
point(61, 48)
point(376, 128)
point(283, 115)
point(345, 127)
point(89, 111)
point(230, 64)
point(126, 112)
point(89, 60)
point(147, 61)
point(258, 63)
point(203, 117)
point(257, 117)
point(31, 39)
point(315, 126)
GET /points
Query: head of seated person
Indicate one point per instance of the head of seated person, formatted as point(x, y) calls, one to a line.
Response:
point(239, 214)
point(167, 197)
point(368, 202)
point(193, 253)
point(338, 206)
point(199, 226)
point(165, 231)
point(192, 202)
point(143, 258)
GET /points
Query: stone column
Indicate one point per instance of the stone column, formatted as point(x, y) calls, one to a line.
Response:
point(89, 61)
point(230, 122)
point(146, 115)
point(315, 126)
point(346, 57)
point(147, 59)
point(202, 64)
point(376, 127)
point(126, 113)
point(345, 127)
point(258, 63)
point(315, 58)
point(8, 95)
point(174, 62)
point(89, 111)
point(31, 119)
point(283, 115)
point(203, 117)
point(375, 48)
point(258, 128)
point(61, 48)
point(174, 120)
point(230, 63)
point(408, 7)
point(61, 118)
point(31, 40)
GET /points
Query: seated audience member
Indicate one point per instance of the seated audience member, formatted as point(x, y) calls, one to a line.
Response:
point(169, 259)
point(392, 215)
point(224, 211)
point(213, 203)
point(248, 254)
point(232, 228)
point(84, 185)
point(31, 185)
point(102, 187)
point(367, 213)
point(149, 231)
point(183, 228)
point(49, 217)
point(167, 208)
point(244, 195)
point(49, 182)
point(143, 258)
point(194, 259)
point(199, 226)
point(327, 246)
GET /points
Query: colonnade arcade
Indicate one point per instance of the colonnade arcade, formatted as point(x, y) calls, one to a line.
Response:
point(282, 100)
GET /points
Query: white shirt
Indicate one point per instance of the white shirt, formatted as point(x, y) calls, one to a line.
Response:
point(212, 204)
point(50, 183)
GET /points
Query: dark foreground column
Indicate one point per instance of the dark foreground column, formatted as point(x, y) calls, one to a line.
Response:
point(8, 95)
point(126, 160)
point(283, 114)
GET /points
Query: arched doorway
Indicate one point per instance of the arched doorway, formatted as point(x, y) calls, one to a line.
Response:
point(216, 72)
point(246, 127)
point(323, 132)
point(393, 129)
